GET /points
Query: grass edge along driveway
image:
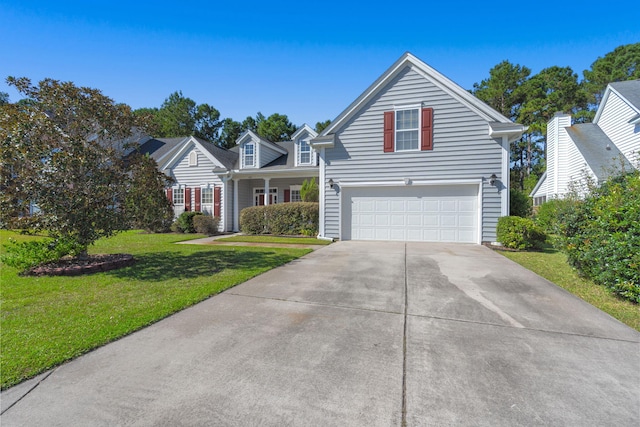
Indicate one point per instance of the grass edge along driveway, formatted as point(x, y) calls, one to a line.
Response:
point(46, 321)
point(553, 266)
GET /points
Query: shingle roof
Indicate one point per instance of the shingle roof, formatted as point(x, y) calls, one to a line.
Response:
point(158, 148)
point(597, 149)
point(630, 89)
point(226, 157)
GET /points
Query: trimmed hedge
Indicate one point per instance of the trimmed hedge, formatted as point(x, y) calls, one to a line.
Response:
point(520, 233)
point(298, 218)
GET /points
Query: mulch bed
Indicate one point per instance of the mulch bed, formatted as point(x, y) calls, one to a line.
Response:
point(77, 266)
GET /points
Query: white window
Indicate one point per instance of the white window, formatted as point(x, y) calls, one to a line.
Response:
point(193, 158)
point(207, 196)
point(304, 152)
point(407, 129)
point(295, 193)
point(258, 196)
point(249, 154)
point(178, 196)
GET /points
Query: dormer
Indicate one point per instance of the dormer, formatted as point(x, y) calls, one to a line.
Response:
point(255, 152)
point(304, 154)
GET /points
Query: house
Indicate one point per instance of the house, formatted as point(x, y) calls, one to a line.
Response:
point(593, 150)
point(222, 182)
point(415, 158)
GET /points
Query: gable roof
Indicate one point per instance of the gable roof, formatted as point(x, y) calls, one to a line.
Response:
point(439, 80)
point(159, 148)
point(226, 157)
point(166, 151)
point(303, 128)
point(600, 153)
point(262, 140)
point(627, 90)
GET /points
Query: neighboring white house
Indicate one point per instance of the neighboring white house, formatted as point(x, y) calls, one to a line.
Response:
point(595, 149)
point(222, 182)
point(415, 158)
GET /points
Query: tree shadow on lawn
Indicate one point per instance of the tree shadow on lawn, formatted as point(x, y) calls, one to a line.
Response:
point(159, 266)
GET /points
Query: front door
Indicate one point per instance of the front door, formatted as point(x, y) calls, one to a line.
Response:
point(258, 196)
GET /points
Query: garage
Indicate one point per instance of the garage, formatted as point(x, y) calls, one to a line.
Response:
point(429, 213)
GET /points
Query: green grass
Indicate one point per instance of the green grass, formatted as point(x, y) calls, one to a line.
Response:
point(48, 320)
point(276, 239)
point(553, 266)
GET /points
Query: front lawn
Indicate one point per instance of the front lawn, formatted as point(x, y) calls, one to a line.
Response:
point(276, 239)
point(48, 320)
point(552, 265)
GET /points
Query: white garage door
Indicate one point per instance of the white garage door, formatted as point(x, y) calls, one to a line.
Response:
point(443, 213)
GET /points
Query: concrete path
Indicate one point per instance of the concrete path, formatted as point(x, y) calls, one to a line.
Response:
point(359, 334)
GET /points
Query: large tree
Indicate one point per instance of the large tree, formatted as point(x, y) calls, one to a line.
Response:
point(623, 63)
point(503, 89)
point(182, 116)
point(276, 127)
point(320, 126)
point(63, 150)
point(147, 205)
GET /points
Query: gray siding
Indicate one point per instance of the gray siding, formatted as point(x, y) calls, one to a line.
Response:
point(267, 154)
point(462, 148)
point(614, 122)
point(198, 176)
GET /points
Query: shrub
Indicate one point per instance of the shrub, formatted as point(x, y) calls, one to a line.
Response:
point(309, 191)
point(519, 203)
point(205, 224)
point(520, 233)
point(24, 255)
point(553, 215)
point(282, 219)
point(184, 223)
point(602, 235)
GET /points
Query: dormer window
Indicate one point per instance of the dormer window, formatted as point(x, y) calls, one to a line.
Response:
point(304, 152)
point(249, 155)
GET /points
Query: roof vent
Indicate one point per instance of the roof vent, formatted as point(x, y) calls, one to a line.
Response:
point(608, 147)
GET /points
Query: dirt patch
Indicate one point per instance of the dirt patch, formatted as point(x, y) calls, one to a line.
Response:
point(77, 266)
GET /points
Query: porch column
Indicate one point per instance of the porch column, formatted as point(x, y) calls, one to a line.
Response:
point(266, 191)
point(236, 214)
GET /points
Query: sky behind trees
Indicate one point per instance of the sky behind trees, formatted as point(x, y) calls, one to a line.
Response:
point(307, 60)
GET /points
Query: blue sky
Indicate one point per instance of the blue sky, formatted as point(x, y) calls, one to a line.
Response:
point(305, 59)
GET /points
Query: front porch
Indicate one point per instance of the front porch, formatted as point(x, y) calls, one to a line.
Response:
point(259, 191)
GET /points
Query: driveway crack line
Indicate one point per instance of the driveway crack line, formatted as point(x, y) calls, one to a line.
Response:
point(404, 344)
point(524, 328)
point(28, 391)
point(319, 304)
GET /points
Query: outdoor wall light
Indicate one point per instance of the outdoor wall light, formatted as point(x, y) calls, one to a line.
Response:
point(492, 179)
point(330, 183)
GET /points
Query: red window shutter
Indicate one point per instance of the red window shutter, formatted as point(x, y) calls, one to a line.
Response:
point(287, 196)
point(427, 129)
point(389, 118)
point(197, 199)
point(187, 199)
point(170, 195)
point(216, 201)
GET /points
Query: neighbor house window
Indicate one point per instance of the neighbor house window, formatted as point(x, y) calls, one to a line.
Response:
point(207, 196)
point(249, 154)
point(178, 196)
point(304, 153)
point(407, 129)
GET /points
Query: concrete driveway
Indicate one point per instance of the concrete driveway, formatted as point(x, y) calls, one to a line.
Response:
point(359, 334)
